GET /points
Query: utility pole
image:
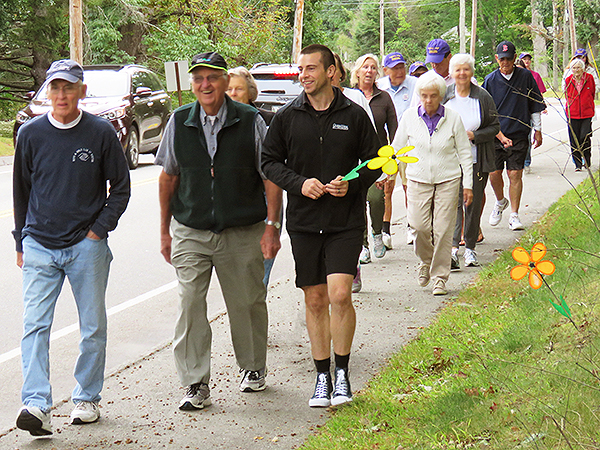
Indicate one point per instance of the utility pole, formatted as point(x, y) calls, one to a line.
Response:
point(555, 44)
point(76, 31)
point(571, 8)
point(381, 31)
point(473, 28)
point(462, 29)
point(298, 18)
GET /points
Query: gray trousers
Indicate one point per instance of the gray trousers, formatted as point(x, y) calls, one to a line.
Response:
point(471, 213)
point(236, 255)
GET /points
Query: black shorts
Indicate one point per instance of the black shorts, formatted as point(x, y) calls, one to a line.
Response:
point(514, 156)
point(320, 254)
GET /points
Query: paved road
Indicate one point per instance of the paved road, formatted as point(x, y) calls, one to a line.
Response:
point(142, 394)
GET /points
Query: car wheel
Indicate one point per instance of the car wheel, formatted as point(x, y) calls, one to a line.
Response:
point(133, 149)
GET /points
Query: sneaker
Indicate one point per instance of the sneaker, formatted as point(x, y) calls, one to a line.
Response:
point(514, 223)
point(342, 392)
point(411, 235)
point(34, 420)
point(357, 282)
point(454, 264)
point(527, 169)
point(196, 397)
point(496, 216)
point(365, 256)
point(322, 396)
point(424, 275)
point(253, 380)
point(85, 412)
point(471, 258)
point(387, 240)
point(440, 288)
point(378, 246)
point(578, 169)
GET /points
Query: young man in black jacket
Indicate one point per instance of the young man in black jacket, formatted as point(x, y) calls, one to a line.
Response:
point(311, 144)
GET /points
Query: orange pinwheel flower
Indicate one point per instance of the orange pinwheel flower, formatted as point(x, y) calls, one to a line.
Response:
point(531, 264)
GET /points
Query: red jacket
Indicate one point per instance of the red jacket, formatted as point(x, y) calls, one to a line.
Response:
point(580, 105)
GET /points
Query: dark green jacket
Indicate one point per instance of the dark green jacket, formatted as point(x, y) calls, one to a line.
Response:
point(227, 191)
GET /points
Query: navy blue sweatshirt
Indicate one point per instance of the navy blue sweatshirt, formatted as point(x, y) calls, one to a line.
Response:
point(60, 181)
point(516, 99)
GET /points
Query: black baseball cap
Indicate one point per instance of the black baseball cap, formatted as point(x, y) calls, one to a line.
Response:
point(506, 49)
point(208, 59)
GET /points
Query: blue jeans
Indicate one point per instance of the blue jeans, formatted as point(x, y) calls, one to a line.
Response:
point(268, 263)
point(86, 264)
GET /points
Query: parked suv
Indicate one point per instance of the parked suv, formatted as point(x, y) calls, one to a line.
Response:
point(130, 96)
point(277, 84)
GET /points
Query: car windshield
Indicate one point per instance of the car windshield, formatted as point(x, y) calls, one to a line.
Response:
point(100, 83)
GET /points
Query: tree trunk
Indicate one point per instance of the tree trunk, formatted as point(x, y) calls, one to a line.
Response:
point(556, 72)
point(539, 42)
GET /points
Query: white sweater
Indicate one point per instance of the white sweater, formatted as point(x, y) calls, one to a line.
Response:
point(442, 154)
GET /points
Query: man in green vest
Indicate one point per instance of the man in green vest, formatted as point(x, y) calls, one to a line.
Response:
point(213, 210)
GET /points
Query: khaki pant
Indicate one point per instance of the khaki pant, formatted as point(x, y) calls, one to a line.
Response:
point(432, 213)
point(237, 258)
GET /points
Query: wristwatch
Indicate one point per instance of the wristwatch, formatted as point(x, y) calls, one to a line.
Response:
point(277, 225)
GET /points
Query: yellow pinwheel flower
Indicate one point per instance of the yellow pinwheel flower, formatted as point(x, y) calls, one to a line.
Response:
point(532, 264)
point(387, 159)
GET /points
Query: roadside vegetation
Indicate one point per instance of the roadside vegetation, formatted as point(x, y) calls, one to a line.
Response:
point(500, 368)
point(6, 141)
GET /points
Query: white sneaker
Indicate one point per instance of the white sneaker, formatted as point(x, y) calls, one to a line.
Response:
point(411, 235)
point(496, 215)
point(197, 396)
point(454, 264)
point(365, 256)
point(514, 223)
point(34, 420)
point(439, 288)
point(253, 380)
point(471, 258)
point(85, 412)
point(387, 240)
point(378, 247)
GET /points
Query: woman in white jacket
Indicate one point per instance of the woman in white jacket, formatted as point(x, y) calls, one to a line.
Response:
point(443, 148)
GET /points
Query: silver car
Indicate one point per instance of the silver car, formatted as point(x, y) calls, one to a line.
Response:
point(277, 84)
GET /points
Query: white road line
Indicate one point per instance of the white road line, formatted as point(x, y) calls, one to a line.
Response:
point(114, 310)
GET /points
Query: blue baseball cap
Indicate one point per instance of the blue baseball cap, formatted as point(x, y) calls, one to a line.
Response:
point(416, 65)
point(65, 69)
point(580, 52)
point(524, 54)
point(436, 51)
point(393, 59)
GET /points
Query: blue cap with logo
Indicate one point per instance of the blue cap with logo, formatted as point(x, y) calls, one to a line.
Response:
point(393, 59)
point(416, 65)
point(524, 54)
point(580, 52)
point(436, 51)
point(65, 69)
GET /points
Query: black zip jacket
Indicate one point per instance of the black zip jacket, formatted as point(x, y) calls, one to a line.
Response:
point(301, 145)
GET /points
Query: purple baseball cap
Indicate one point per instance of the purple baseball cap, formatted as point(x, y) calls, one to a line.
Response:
point(524, 54)
point(436, 51)
point(580, 52)
point(416, 65)
point(393, 59)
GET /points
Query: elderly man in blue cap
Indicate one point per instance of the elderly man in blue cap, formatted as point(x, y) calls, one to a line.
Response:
point(63, 214)
point(401, 88)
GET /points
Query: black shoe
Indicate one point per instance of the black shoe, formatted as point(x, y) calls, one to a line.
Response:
point(342, 393)
point(322, 396)
point(454, 264)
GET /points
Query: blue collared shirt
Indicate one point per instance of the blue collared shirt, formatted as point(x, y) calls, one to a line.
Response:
point(432, 121)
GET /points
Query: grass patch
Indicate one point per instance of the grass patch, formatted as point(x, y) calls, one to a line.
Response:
point(499, 368)
point(6, 146)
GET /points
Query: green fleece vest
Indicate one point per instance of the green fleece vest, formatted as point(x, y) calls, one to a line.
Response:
point(227, 191)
